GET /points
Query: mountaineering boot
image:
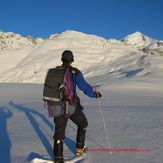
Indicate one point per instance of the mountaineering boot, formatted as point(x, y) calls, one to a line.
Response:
point(58, 151)
point(80, 139)
point(81, 151)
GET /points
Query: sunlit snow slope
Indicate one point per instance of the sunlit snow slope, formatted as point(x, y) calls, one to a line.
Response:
point(95, 56)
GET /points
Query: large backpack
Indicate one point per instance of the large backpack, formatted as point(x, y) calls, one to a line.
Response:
point(59, 91)
point(54, 84)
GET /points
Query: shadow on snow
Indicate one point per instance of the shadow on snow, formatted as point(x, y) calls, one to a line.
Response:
point(5, 144)
point(36, 126)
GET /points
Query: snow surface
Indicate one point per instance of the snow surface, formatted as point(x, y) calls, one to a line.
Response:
point(130, 82)
point(132, 109)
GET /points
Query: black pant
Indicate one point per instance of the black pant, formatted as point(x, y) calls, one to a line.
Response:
point(79, 119)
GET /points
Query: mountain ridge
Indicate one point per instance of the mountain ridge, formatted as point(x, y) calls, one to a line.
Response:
point(10, 40)
point(95, 56)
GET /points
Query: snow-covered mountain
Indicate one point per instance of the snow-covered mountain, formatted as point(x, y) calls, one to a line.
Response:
point(95, 56)
point(10, 40)
point(144, 43)
point(139, 40)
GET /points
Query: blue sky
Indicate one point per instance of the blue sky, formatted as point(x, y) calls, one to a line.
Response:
point(106, 18)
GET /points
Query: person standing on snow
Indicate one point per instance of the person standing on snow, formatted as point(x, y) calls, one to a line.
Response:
point(76, 116)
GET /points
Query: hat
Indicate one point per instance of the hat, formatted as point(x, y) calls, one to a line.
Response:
point(67, 56)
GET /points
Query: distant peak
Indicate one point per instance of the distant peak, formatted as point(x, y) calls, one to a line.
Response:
point(139, 35)
point(139, 39)
point(72, 33)
point(136, 34)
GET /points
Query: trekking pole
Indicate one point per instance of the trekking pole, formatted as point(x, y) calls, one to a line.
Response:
point(106, 131)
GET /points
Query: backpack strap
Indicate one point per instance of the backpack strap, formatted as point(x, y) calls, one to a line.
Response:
point(68, 82)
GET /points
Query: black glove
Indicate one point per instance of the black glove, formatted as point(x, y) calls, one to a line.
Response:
point(98, 94)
